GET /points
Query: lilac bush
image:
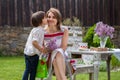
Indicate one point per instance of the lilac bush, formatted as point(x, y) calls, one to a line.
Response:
point(103, 30)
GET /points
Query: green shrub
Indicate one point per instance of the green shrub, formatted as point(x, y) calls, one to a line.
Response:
point(94, 41)
point(115, 62)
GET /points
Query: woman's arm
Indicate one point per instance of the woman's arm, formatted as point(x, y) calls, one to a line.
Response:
point(64, 39)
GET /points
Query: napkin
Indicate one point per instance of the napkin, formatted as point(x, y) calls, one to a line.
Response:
point(117, 53)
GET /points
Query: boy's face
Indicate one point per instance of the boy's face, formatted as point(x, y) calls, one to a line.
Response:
point(44, 21)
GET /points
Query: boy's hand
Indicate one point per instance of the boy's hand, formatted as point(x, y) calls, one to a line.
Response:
point(46, 50)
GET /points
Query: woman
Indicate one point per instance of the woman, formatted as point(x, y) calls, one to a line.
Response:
point(60, 34)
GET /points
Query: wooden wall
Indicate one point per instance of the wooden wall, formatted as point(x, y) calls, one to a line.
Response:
point(18, 12)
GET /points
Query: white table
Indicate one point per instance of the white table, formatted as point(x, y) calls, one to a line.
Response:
point(97, 58)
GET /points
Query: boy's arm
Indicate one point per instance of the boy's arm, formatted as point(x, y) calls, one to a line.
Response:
point(40, 48)
point(36, 35)
point(36, 45)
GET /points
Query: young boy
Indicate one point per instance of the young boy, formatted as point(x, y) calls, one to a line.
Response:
point(34, 45)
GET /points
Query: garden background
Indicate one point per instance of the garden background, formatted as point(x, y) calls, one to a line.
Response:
point(15, 18)
point(15, 21)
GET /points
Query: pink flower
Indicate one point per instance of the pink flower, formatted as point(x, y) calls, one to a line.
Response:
point(103, 30)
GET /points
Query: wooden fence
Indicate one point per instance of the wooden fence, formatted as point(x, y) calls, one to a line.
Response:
point(18, 12)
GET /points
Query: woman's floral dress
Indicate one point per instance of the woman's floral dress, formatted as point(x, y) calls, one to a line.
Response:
point(55, 39)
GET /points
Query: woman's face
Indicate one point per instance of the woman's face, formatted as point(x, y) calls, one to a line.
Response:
point(51, 19)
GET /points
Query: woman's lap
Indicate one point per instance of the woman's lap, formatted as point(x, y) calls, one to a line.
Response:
point(53, 56)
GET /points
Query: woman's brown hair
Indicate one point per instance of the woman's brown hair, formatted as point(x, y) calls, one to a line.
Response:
point(57, 15)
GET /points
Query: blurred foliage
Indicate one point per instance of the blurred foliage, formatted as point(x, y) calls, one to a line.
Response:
point(72, 22)
point(115, 62)
point(2, 51)
point(19, 52)
point(103, 66)
point(67, 22)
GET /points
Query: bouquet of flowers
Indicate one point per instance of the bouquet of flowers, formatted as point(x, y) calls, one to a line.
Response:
point(52, 44)
point(103, 30)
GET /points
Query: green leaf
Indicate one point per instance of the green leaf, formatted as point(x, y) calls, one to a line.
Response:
point(96, 39)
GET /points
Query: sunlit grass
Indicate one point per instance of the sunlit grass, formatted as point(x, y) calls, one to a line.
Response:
point(11, 68)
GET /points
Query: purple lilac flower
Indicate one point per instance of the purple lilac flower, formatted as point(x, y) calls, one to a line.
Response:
point(52, 44)
point(103, 30)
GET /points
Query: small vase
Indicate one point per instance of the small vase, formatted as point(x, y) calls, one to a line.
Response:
point(103, 41)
